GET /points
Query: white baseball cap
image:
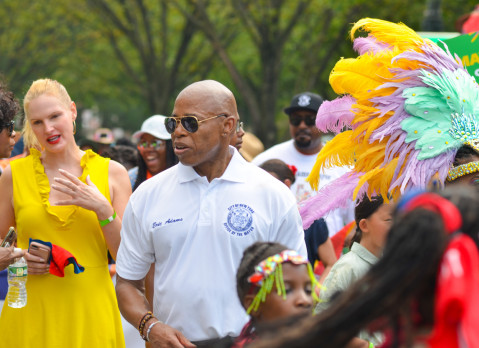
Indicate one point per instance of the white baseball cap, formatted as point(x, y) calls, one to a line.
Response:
point(154, 125)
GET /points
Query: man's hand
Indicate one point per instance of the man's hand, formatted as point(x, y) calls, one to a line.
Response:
point(164, 336)
point(8, 255)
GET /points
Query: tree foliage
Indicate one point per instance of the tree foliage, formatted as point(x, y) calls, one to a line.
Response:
point(130, 58)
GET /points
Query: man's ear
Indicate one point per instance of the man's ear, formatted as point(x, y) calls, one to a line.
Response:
point(247, 301)
point(229, 125)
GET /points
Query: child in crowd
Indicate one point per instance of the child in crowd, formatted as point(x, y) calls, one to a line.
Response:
point(273, 283)
point(373, 220)
point(319, 245)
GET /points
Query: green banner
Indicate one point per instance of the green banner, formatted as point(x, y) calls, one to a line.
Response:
point(467, 48)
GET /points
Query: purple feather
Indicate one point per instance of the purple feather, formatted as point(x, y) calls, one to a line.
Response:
point(364, 45)
point(432, 56)
point(335, 115)
point(336, 194)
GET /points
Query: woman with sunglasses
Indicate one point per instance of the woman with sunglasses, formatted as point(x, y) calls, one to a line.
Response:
point(8, 109)
point(74, 200)
point(155, 150)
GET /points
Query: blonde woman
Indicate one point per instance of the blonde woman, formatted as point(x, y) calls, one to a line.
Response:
point(73, 199)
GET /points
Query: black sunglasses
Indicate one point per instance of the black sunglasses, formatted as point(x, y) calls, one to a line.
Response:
point(9, 125)
point(189, 123)
point(295, 120)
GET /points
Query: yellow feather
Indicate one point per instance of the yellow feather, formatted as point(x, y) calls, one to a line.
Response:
point(372, 159)
point(352, 75)
point(339, 151)
point(364, 178)
point(388, 175)
point(380, 182)
point(396, 35)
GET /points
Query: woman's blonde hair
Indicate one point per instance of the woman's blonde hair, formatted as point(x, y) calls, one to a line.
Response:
point(38, 88)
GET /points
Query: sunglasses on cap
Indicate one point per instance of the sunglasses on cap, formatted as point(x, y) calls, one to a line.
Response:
point(295, 120)
point(155, 144)
point(9, 126)
point(189, 123)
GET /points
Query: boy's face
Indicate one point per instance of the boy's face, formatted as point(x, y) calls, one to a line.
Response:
point(298, 296)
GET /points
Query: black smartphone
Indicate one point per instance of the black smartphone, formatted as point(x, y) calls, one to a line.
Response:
point(9, 238)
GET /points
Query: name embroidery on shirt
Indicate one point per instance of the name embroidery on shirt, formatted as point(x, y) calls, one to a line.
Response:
point(240, 220)
point(162, 223)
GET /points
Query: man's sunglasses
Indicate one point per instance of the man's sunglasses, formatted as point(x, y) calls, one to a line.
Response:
point(295, 120)
point(189, 123)
point(155, 144)
point(239, 126)
point(9, 126)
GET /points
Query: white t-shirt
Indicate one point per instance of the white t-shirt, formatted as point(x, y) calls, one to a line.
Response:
point(301, 188)
point(195, 232)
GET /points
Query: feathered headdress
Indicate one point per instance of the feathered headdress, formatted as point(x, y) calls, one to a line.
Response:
point(408, 106)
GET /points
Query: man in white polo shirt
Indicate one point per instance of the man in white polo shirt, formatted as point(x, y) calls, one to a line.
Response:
point(194, 221)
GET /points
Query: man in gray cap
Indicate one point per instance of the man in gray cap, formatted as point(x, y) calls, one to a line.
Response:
point(302, 150)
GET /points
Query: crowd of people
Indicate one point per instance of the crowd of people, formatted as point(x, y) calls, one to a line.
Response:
point(215, 245)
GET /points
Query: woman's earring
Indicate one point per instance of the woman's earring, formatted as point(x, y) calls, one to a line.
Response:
point(74, 127)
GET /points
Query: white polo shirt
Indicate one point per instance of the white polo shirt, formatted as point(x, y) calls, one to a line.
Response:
point(301, 189)
point(195, 232)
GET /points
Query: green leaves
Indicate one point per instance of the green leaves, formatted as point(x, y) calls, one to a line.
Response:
point(130, 58)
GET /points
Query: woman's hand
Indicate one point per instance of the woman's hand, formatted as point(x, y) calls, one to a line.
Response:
point(83, 195)
point(8, 255)
point(36, 265)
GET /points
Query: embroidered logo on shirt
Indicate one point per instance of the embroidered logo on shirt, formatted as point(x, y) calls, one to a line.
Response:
point(240, 220)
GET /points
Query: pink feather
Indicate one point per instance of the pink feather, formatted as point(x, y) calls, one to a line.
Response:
point(336, 194)
point(364, 45)
point(336, 114)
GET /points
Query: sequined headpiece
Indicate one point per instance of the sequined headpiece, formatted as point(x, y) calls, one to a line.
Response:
point(466, 168)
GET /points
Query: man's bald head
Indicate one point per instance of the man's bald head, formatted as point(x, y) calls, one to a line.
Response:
point(206, 148)
point(209, 97)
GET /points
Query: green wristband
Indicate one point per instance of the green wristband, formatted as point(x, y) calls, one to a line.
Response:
point(107, 221)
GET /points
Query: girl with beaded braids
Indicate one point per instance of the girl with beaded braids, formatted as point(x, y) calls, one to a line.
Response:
point(273, 283)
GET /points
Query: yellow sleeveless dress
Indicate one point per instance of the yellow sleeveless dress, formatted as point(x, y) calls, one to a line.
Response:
point(79, 310)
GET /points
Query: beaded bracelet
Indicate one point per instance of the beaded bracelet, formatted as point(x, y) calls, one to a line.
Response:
point(144, 320)
point(149, 329)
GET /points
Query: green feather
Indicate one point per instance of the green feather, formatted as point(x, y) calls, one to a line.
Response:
point(459, 89)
